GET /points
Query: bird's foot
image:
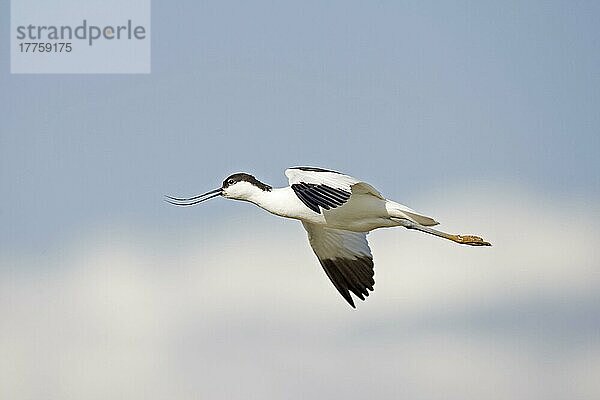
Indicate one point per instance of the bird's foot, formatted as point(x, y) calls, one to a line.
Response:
point(470, 240)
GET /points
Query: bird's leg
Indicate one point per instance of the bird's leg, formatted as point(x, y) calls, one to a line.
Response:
point(462, 239)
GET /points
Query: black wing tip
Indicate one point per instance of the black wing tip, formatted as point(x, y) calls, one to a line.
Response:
point(350, 300)
point(351, 277)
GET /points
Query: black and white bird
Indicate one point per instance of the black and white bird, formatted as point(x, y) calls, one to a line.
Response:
point(337, 211)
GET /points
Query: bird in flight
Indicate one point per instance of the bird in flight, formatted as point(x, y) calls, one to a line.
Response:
point(337, 211)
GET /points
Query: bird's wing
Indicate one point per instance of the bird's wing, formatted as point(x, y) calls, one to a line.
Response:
point(346, 259)
point(317, 187)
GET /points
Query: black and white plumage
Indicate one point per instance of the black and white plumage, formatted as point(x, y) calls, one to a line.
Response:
point(319, 196)
point(346, 259)
point(337, 211)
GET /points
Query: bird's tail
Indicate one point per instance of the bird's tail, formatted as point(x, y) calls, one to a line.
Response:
point(397, 210)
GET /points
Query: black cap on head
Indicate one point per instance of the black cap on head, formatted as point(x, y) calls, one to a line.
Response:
point(241, 176)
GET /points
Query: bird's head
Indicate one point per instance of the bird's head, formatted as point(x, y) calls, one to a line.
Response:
point(240, 186)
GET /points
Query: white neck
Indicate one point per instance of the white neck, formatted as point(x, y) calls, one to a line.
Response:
point(279, 201)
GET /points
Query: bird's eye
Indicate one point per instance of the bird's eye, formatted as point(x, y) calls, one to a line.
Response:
point(230, 182)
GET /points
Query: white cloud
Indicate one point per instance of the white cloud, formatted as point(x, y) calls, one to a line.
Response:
point(248, 313)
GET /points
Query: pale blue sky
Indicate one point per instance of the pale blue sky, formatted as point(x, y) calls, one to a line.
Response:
point(485, 115)
point(405, 94)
